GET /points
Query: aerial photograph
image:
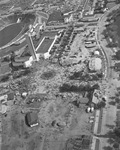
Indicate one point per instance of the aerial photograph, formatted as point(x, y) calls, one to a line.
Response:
point(59, 74)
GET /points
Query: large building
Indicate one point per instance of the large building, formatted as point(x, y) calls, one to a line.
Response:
point(95, 64)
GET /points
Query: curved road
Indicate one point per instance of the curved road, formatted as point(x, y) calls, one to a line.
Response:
point(108, 52)
point(108, 118)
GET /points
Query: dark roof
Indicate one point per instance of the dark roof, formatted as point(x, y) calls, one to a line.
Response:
point(56, 16)
point(31, 118)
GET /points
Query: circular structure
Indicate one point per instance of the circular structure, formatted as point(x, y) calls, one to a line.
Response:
point(9, 33)
point(95, 64)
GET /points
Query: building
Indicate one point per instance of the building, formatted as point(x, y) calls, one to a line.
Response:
point(95, 64)
point(31, 119)
point(56, 17)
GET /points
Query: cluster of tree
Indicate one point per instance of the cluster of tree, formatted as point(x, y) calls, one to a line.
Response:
point(85, 77)
point(117, 56)
point(100, 105)
point(73, 88)
point(117, 1)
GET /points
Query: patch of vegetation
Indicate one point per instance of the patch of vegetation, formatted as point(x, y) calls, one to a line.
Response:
point(85, 76)
point(72, 88)
point(100, 105)
point(48, 75)
point(5, 78)
point(112, 29)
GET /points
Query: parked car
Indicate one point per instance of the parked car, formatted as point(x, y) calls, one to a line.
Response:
point(88, 109)
point(92, 109)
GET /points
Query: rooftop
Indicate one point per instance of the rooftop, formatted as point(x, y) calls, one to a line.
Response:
point(31, 118)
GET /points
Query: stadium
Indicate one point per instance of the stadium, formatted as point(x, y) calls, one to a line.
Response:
point(23, 37)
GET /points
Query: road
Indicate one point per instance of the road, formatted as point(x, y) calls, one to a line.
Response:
point(108, 118)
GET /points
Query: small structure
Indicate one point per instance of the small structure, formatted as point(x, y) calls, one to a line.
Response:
point(31, 119)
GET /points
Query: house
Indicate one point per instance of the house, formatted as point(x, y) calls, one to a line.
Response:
point(56, 17)
point(31, 119)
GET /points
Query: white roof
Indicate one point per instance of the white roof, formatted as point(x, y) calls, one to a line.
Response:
point(96, 52)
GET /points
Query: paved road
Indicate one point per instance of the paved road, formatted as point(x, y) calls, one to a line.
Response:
point(108, 118)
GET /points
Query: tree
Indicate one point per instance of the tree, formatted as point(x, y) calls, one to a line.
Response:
point(117, 132)
point(117, 56)
point(100, 105)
